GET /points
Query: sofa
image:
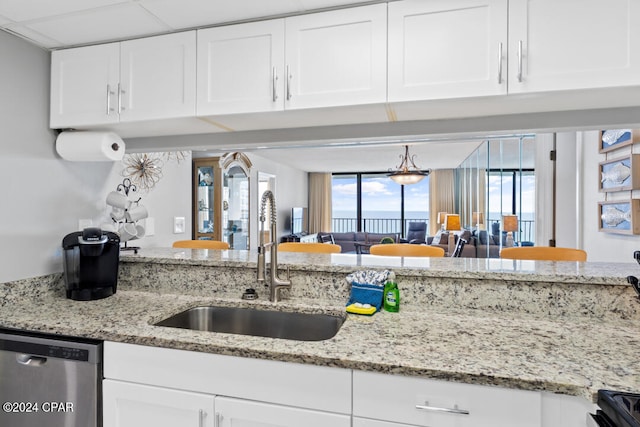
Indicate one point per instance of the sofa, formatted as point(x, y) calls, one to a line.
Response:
point(348, 240)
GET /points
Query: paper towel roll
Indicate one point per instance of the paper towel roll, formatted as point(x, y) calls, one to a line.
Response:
point(90, 146)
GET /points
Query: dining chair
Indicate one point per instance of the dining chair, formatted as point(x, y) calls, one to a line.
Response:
point(406, 249)
point(201, 244)
point(316, 247)
point(544, 253)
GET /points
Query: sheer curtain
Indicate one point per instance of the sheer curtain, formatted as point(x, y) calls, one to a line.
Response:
point(442, 196)
point(471, 193)
point(319, 202)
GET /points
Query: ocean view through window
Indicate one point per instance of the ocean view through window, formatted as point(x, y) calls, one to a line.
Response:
point(373, 202)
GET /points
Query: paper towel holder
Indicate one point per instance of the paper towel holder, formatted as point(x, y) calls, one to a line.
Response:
point(85, 146)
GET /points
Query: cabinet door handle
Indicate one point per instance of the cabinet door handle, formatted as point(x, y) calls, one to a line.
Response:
point(120, 93)
point(109, 93)
point(288, 84)
point(274, 82)
point(500, 63)
point(453, 410)
point(201, 415)
point(217, 419)
point(520, 61)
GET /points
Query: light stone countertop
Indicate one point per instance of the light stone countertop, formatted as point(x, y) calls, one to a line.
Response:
point(559, 353)
point(467, 268)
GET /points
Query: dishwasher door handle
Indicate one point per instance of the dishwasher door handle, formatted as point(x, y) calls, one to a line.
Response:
point(30, 360)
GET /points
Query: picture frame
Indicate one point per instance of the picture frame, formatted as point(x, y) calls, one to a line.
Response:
point(620, 217)
point(620, 174)
point(612, 139)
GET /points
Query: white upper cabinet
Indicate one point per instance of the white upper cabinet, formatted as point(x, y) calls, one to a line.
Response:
point(150, 78)
point(158, 77)
point(447, 49)
point(323, 59)
point(336, 58)
point(84, 82)
point(241, 68)
point(573, 44)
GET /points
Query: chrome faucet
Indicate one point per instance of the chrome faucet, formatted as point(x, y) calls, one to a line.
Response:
point(276, 283)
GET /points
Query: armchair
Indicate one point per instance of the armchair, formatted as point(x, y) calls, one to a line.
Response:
point(417, 233)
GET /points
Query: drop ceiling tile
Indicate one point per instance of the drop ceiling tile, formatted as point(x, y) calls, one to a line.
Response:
point(196, 13)
point(322, 4)
point(33, 36)
point(21, 10)
point(112, 23)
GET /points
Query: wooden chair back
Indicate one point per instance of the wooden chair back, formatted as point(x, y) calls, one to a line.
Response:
point(544, 253)
point(406, 249)
point(324, 248)
point(201, 244)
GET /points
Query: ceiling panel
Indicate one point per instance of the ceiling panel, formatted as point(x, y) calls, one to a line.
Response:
point(113, 23)
point(198, 13)
point(26, 10)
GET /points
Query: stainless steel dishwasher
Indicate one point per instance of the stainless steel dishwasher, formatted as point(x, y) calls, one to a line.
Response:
point(49, 381)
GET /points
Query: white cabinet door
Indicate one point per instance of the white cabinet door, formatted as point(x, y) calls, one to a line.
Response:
point(241, 68)
point(426, 402)
point(134, 405)
point(236, 412)
point(158, 77)
point(84, 82)
point(336, 58)
point(366, 422)
point(447, 49)
point(573, 44)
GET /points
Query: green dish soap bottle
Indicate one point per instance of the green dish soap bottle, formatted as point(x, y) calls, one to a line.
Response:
point(391, 302)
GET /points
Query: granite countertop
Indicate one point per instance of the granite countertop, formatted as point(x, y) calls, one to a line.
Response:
point(462, 268)
point(574, 356)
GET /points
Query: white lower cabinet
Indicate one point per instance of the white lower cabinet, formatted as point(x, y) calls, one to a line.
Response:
point(395, 399)
point(237, 412)
point(133, 405)
point(366, 422)
point(160, 387)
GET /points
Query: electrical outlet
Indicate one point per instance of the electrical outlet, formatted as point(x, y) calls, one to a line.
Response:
point(178, 224)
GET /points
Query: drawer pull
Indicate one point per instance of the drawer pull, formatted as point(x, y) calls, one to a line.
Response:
point(453, 410)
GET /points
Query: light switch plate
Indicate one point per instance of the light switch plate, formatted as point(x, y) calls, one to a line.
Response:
point(150, 226)
point(178, 224)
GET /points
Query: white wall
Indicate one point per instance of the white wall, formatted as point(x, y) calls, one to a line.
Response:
point(45, 196)
point(41, 194)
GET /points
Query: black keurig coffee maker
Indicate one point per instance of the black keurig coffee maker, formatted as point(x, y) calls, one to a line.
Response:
point(91, 261)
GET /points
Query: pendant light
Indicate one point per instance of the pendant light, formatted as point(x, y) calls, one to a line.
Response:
point(408, 173)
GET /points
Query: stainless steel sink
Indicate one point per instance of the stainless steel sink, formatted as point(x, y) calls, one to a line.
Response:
point(262, 323)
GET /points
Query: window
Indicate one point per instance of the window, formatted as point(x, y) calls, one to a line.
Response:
point(373, 202)
point(512, 192)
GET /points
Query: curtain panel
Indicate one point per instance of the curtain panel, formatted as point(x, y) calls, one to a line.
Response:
point(442, 196)
point(319, 202)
